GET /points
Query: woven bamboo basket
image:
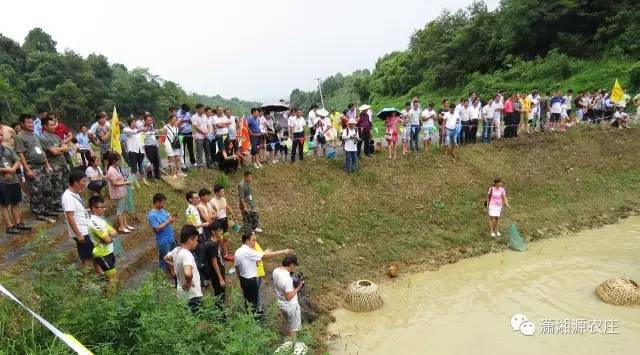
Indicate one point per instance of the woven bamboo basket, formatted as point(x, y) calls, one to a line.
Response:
point(363, 296)
point(620, 291)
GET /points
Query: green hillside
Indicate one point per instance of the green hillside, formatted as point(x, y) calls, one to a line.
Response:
point(522, 45)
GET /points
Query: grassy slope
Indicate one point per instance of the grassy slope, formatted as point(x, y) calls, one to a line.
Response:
point(385, 213)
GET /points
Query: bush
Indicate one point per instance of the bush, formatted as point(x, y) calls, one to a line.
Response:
point(634, 76)
point(147, 320)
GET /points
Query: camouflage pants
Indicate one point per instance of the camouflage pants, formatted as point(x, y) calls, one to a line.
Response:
point(39, 189)
point(251, 220)
point(59, 182)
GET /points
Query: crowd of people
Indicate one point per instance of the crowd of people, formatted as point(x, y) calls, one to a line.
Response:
point(44, 160)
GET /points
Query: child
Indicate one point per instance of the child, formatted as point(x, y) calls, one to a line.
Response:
point(406, 128)
point(102, 234)
point(496, 197)
point(391, 134)
point(192, 214)
point(285, 144)
point(206, 211)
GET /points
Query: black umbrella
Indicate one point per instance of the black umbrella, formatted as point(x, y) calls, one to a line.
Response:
point(275, 107)
point(386, 112)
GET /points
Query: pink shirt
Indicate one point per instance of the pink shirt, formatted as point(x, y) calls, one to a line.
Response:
point(392, 125)
point(115, 192)
point(508, 106)
point(496, 194)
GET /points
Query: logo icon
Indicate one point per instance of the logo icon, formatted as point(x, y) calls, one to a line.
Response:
point(520, 322)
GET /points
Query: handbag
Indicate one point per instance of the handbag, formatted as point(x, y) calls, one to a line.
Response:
point(175, 142)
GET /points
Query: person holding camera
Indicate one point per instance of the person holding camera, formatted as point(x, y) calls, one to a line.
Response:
point(287, 293)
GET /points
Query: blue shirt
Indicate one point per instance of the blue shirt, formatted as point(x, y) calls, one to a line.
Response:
point(37, 126)
point(83, 141)
point(156, 218)
point(185, 126)
point(254, 126)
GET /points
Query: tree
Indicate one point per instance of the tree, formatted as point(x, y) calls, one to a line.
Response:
point(38, 40)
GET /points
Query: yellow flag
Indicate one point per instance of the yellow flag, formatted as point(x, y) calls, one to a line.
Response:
point(115, 132)
point(617, 94)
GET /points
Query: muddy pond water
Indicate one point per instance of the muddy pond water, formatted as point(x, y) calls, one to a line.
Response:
point(467, 307)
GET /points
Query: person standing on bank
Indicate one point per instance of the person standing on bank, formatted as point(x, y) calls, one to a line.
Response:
point(250, 216)
point(287, 295)
point(77, 217)
point(10, 193)
point(350, 138)
point(151, 145)
point(55, 151)
point(135, 150)
point(36, 169)
point(162, 224)
point(118, 191)
point(188, 286)
point(213, 256)
point(246, 259)
point(496, 198)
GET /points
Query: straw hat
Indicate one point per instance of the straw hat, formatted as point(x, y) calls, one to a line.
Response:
point(364, 107)
point(352, 121)
point(322, 112)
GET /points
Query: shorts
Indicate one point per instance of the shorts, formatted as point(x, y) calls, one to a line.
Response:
point(429, 133)
point(494, 211)
point(555, 117)
point(168, 149)
point(273, 145)
point(10, 194)
point(292, 317)
point(121, 205)
point(255, 142)
point(451, 137)
point(224, 223)
point(85, 250)
point(164, 249)
point(106, 263)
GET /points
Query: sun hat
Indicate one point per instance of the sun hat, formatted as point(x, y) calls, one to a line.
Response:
point(364, 107)
point(322, 112)
point(352, 121)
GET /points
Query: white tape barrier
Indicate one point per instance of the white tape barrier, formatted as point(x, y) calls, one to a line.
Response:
point(68, 339)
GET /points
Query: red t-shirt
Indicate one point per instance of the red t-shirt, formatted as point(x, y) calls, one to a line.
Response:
point(61, 130)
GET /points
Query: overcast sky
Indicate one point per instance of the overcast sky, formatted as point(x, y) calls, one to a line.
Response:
point(250, 49)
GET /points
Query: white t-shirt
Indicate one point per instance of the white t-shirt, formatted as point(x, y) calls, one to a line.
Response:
point(246, 259)
point(350, 138)
point(94, 173)
point(221, 120)
point(463, 113)
point(487, 112)
point(312, 118)
point(474, 112)
point(134, 143)
point(72, 202)
point(232, 127)
point(450, 120)
point(204, 123)
point(283, 282)
point(297, 124)
point(323, 124)
point(568, 101)
point(427, 118)
point(414, 117)
point(535, 102)
point(182, 258)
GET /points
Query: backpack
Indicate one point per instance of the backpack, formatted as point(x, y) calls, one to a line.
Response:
point(202, 263)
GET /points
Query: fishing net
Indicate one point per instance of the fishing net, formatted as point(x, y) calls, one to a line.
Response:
point(515, 239)
point(620, 291)
point(363, 296)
